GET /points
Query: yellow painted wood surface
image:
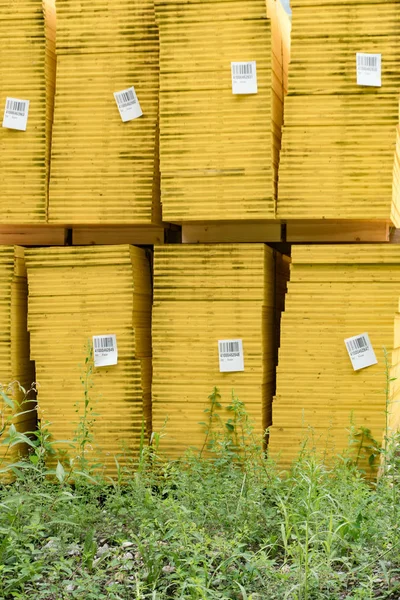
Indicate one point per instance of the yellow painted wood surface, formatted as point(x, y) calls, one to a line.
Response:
point(339, 156)
point(335, 292)
point(394, 397)
point(219, 152)
point(15, 365)
point(75, 293)
point(202, 294)
point(27, 72)
point(105, 171)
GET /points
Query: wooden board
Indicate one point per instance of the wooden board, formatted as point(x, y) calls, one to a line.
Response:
point(31, 235)
point(239, 232)
point(337, 231)
point(394, 236)
point(52, 235)
point(146, 235)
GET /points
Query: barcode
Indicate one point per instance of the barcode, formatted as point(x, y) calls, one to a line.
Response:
point(359, 344)
point(102, 343)
point(126, 98)
point(365, 60)
point(228, 347)
point(16, 107)
point(242, 69)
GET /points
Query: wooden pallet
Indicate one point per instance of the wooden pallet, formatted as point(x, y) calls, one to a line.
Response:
point(333, 231)
point(315, 231)
point(148, 235)
point(50, 235)
point(328, 231)
point(394, 236)
point(33, 235)
point(231, 232)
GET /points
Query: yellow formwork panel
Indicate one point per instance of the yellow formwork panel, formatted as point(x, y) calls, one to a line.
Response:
point(335, 292)
point(352, 3)
point(15, 365)
point(373, 30)
point(340, 140)
point(27, 72)
point(74, 294)
point(104, 26)
point(394, 408)
point(105, 170)
point(202, 294)
point(219, 152)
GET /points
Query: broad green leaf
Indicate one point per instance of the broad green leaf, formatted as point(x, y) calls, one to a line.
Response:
point(12, 432)
point(60, 472)
point(10, 403)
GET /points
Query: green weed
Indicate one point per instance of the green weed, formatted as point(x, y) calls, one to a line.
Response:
point(221, 523)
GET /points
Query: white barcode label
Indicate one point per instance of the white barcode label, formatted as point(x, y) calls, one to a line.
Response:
point(128, 104)
point(16, 114)
point(105, 350)
point(361, 352)
point(244, 77)
point(369, 69)
point(230, 356)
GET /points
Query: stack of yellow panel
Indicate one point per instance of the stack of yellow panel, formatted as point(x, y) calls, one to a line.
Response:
point(204, 294)
point(15, 365)
point(77, 293)
point(335, 293)
point(282, 272)
point(394, 396)
point(105, 170)
point(27, 72)
point(219, 151)
point(339, 158)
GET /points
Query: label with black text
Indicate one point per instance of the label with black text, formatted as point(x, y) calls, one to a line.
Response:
point(231, 357)
point(244, 77)
point(16, 114)
point(105, 351)
point(128, 104)
point(361, 352)
point(369, 69)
